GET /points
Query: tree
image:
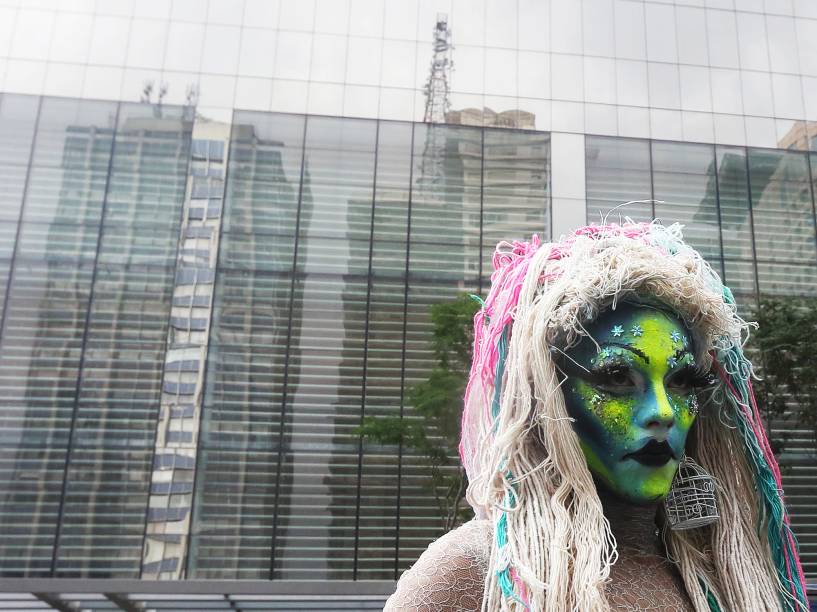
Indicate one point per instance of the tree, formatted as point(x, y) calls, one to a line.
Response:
point(437, 401)
point(785, 342)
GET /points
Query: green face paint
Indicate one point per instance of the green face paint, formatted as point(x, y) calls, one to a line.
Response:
point(633, 401)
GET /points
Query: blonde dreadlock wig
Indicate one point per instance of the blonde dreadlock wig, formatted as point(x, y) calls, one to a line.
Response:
point(552, 548)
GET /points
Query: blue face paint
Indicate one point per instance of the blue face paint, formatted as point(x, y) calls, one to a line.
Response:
point(634, 400)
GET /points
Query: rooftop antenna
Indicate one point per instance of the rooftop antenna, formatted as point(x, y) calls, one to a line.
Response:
point(437, 86)
point(432, 168)
point(147, 90)
point(147, 95)
point(191, 100)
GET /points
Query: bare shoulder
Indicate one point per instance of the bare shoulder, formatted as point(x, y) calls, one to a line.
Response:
point(449, 575)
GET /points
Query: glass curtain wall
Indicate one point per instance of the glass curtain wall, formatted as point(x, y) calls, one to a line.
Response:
point(248, 356)
point(751, 214)
point(90, 221)
point(736, 220)
point(338, 236)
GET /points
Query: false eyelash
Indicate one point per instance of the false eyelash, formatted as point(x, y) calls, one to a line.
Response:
point(697, 379)
point(610, 366)
point(599, 373)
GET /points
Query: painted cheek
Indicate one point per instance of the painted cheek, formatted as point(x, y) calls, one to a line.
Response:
point(613, 413)
point(681, 409)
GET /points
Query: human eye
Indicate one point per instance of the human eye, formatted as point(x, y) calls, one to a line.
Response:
point(613, 378)
point(689, 379)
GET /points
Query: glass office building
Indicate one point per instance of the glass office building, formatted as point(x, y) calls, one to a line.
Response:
point(224, 222)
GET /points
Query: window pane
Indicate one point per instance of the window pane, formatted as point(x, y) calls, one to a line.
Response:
point(120, 388)
point(684, 178)
point(630, 34)
point(787, 279)
point(736, 221)
point(661, 43)
point(599, 33)
point(617, 171)
point(754, 52)
point(317, 510)
point(446, 201)
point(420, 515)
point(691, 25)
point(723, 39)
point(18, 115)
point(41, 348)
point(781, 204)
point(782, 44)
point(241, 415)
point(515, 190)
point(384, 391)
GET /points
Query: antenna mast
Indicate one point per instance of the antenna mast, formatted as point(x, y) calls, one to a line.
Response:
point(437, 86)
point(432, 168)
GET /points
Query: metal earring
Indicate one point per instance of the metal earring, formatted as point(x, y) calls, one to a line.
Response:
point(691, 500)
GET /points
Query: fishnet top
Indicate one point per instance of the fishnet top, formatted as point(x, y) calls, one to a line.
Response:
point(450, 576)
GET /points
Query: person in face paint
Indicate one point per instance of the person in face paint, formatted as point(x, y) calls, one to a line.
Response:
point(631, 387)
point(631, 390)
point(581, 400)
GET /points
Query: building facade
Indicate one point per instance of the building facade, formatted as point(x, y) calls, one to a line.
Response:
point(224, 223)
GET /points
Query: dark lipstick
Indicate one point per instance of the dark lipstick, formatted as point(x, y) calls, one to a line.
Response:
point(652, 454)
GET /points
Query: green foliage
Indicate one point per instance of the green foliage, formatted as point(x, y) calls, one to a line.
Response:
point(434, 434)
point(785, 341)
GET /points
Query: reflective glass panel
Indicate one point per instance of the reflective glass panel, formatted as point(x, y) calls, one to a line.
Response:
point(235, 499)
point(45, 324)
point(316, 519)
point(736, 220)
point(337, 236)
point(378, 505)
point(515, 189)
point(446, 201)
point(103, 518)
point(617, 171)
point(684, 178)
point(782, 206)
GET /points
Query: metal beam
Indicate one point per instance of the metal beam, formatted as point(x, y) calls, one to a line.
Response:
point(53, 600)
point(328, 588)
point(121, 601)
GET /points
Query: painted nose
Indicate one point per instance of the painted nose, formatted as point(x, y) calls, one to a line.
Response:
point(656, 415)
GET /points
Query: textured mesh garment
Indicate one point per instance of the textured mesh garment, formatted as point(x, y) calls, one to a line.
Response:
point(450, 576)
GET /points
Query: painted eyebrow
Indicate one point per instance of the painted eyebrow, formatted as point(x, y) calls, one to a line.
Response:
point(632, 349)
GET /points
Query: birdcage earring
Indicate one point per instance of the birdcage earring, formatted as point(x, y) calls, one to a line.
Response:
point(691, 500)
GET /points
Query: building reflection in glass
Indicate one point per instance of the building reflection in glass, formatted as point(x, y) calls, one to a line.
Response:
point(84, 332)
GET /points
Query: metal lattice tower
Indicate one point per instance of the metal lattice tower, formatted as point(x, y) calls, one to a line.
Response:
point(437, 86)
point(432, 170)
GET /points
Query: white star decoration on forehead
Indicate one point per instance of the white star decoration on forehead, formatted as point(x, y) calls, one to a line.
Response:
point(617, 331)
